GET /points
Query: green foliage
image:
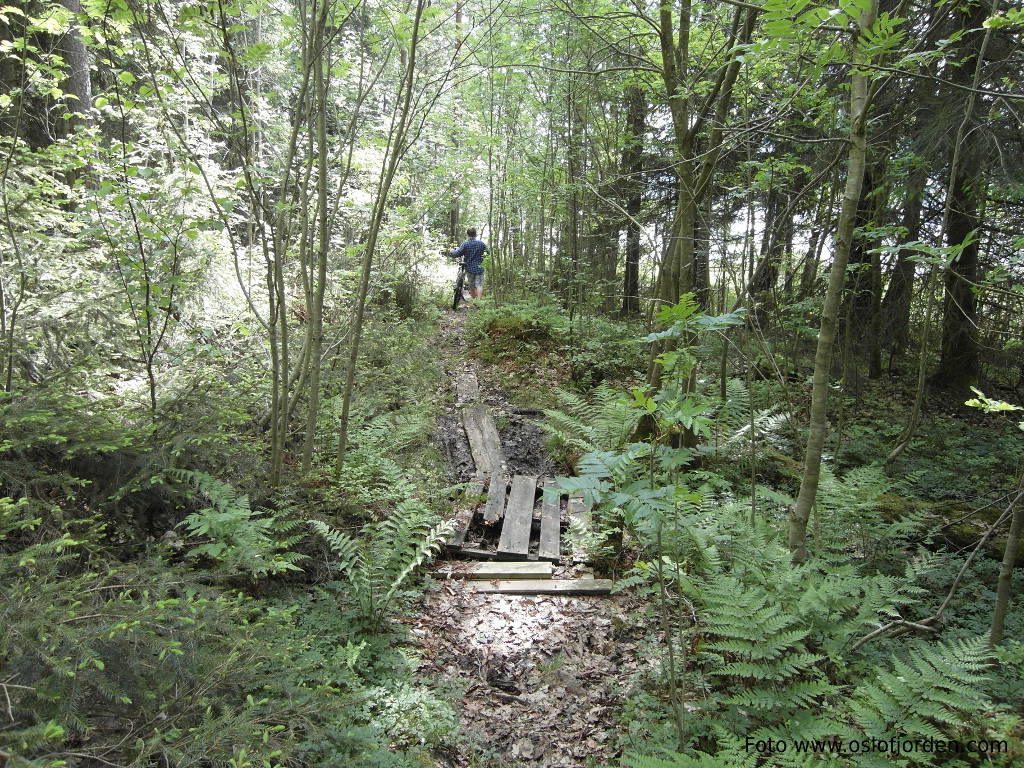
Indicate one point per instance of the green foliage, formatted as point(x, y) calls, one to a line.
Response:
point(529, 339)
point(932, 693)
point(769, 641)
point(373, 478)
point(989, 405)
point(732, 421)
point(730, 759)
point(601, 420)
point(386, 553)
point(194, 673)
point(514, 329)
point(234, 535)
point(947, 458)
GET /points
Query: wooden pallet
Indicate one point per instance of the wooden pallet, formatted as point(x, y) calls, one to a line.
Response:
point(464, 517)
point(512, 505)
point(579, 525)
point(495, 507)
point(550, 547)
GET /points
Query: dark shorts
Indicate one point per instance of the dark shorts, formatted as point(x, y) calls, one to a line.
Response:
point(475, 281)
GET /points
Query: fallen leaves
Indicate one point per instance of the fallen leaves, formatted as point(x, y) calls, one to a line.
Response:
point(543, 675)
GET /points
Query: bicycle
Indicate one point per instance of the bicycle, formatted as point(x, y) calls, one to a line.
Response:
point(460, 283)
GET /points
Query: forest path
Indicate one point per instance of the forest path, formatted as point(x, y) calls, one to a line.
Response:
point(543, 678)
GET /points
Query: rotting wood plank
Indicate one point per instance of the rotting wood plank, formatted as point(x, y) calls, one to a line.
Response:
point(495, 506)
point(464, 517)
point(579, 525)
point(467, 390)
point(484, 441)
point(547, 587)
point(515, 531)
point(492, 571)
point(550, 524)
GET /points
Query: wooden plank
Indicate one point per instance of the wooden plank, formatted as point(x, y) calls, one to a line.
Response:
point(579, 524)
point(492, 440)
point(464, 517)
point(474, 553)
point(483, 440)
point(481, 457)
point(495, 507)
point(547, 587)
point(515, 531)
point(550, 524)
point(467, 390)
point(492, 571)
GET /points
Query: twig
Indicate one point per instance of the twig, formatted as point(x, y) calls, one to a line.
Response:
point(925, 624)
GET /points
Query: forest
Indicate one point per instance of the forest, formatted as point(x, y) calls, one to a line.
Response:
point(752, 316)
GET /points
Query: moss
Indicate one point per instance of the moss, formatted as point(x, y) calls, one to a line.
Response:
point(892, 506)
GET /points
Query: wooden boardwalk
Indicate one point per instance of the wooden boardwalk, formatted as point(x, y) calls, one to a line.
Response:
point(529, 510)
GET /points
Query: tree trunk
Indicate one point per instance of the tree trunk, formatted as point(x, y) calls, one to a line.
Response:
point(1006, 573)
point(393, 155)
point(79, 82)
point(315, 294)
point(896, 304)
point(958, 365)
point(632, 165)
point(826, 335)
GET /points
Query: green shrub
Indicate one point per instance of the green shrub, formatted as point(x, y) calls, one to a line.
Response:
point(143, 664)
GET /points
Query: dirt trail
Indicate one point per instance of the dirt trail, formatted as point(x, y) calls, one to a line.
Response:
point(544, 677)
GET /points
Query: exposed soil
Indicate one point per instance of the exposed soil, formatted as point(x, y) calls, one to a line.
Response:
point(544, 677)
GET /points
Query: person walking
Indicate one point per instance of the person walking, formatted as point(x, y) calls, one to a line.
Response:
point(472, 252)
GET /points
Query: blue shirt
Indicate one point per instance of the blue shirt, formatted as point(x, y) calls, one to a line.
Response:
point(472, 252)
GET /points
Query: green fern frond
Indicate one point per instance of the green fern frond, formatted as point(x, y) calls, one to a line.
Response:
point(385, 555)
point(935, 688)
point(601, 421)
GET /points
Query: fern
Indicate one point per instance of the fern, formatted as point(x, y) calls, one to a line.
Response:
point(385, 555)
point(701, 760)
point(849, 507)
point(235, 535)
point(732, 421)
point(601, 421)
point(935, 690)
point(761, 649)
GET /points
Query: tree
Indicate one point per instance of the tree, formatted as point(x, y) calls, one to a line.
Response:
point(855, 166)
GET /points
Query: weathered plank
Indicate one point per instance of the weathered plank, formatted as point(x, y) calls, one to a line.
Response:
point(474, 553)
point(579, 525)
point(484, 441)
point(492, 571)
point(547, 587)
point(550, 524)
point(467, 390)
point(464, 517)
point(495, 499)
point(515, 531)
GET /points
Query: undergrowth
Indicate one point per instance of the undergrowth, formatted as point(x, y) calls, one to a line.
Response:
point(758, 655)
point(164, 607)
point(530, 340)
